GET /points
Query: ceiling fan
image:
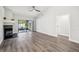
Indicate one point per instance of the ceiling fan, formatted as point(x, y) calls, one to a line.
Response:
point(34, 8)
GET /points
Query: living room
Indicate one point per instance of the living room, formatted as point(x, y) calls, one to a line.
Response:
point(50, 25)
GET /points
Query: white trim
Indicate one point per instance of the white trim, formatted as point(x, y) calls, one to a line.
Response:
point(1, 42)
point(48, 34)
point(74, 41)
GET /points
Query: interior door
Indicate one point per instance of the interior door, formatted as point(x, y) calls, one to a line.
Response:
point(63, 25)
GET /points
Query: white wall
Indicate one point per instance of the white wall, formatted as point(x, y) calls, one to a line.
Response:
point(1, 23)
point(8, 13)
point(74, 27)
point(47, 23)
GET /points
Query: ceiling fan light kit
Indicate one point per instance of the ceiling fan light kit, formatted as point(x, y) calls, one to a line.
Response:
point(33, 8)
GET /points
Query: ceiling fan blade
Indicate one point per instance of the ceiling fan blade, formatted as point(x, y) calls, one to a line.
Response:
point(33, 8)
point(38, 10)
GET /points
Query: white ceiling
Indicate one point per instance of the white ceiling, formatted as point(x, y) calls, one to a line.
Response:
point(25, 10)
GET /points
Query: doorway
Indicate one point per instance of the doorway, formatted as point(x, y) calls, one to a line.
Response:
point(24, 25)
point(63, 26)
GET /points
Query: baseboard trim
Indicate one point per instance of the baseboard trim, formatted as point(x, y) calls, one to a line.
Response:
point(74, 41)
point(64, 37)
point(47, 34)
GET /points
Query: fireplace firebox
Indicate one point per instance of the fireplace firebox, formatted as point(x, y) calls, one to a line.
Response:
point(8, 31)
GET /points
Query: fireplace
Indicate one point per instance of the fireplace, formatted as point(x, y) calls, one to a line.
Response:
point(8, 31)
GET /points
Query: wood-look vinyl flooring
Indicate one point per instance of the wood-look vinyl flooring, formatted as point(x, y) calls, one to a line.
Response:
point(38, 42)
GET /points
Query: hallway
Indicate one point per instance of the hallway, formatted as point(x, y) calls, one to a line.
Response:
point(38, 42)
